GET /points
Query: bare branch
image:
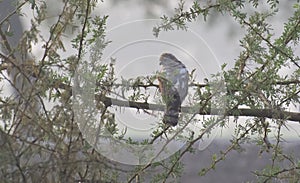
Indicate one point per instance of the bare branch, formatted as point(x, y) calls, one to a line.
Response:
point(267, 113)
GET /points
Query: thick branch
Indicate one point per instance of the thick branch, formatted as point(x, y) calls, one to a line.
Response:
point(268, 113)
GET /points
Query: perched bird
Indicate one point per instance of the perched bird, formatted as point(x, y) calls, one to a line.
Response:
point(173, 85)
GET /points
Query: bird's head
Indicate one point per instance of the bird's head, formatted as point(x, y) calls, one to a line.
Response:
point(167, 59)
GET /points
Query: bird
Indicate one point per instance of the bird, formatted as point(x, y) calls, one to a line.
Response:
point(173, 86)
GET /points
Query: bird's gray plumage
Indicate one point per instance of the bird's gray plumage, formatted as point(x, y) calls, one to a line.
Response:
point(173, 86)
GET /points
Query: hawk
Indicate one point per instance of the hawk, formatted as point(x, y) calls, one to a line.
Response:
point(173, 85)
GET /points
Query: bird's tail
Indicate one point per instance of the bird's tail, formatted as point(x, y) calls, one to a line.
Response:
point(173, 104)
point(171, 117)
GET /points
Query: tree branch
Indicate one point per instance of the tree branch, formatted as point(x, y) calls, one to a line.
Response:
point(267, 113)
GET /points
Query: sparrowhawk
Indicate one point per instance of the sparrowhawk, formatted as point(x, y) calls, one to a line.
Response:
point(173, 85)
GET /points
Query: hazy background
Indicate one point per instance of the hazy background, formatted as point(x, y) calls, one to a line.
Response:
point(211, 44)
point(205, 46)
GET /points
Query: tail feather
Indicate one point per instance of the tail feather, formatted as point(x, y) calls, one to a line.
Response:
point(173, 104)
point(171, 118)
